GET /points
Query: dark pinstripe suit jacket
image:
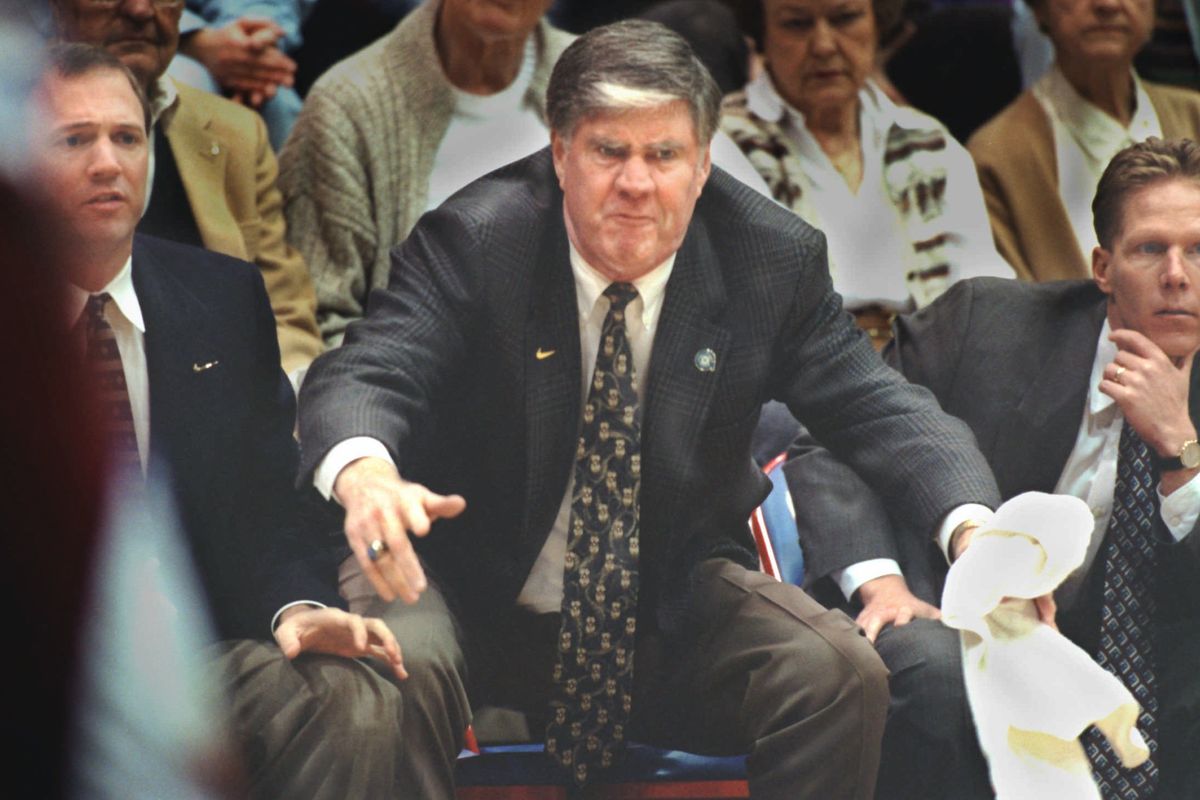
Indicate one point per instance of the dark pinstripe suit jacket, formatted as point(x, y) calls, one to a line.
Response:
point(443, 371)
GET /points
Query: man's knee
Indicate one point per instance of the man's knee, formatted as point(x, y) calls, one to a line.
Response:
point(928, 693)
point(847, 672)
point(831, 666)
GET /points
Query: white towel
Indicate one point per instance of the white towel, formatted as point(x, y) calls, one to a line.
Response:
point(1033, 691)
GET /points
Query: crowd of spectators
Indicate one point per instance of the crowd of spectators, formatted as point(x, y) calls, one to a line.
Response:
point(931, 142)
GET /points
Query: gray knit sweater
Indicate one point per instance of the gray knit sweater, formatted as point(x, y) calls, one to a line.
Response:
point(355, 171)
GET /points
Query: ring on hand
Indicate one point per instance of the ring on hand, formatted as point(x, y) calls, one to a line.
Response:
point(376, 549)
point(1120, 372)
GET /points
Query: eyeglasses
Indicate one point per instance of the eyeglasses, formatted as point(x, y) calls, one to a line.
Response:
point(115, 3)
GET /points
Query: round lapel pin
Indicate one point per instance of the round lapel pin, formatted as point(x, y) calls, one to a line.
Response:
point(706, 360)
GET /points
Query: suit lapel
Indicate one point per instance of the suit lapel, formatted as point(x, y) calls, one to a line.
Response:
point(553, 377)
point(679, 393)
point(187, 379)
point(1050, 408)
point(201, 158)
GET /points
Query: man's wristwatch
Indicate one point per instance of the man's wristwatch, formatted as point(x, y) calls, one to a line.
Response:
point(1188, 458)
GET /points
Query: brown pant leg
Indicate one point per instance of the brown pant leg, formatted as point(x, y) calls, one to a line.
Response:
point(317, 727)
point(768, 671)
point(433, 708)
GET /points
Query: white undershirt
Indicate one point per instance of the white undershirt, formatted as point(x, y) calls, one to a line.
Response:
point(486, 132)
point(1091, 472)
point(1085, 140)
point(124, 315)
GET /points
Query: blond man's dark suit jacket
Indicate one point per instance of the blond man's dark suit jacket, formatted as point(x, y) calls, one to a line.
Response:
point(229, 171)
point(444, 372)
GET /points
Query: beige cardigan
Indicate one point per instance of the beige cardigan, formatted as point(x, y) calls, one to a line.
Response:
point(355, 171)
point(1014, 154)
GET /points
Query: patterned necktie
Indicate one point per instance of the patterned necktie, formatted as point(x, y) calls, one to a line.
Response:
point(594, 671)
point(1126, 636)
point(103, 360)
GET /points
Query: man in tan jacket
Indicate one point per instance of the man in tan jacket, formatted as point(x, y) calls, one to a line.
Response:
point(212, 169)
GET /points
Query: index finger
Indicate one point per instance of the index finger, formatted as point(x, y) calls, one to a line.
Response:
point(385, 641)
point(1130, 341)
point(399, 565)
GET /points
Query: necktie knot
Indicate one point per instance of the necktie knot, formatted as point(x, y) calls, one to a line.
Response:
point(94, 310)
point(620, 295)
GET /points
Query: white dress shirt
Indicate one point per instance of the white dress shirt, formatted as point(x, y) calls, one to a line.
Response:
point(1091, 472)
point(1085, 140)
point(124, 315)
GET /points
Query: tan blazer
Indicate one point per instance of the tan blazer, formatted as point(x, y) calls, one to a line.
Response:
point(1018, 171)
point(228, 171)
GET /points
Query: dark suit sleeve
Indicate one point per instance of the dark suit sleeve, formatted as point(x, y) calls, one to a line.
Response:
point(840, 519)
point(298, 540)
point(928, 345)
point(385, 378)
point(921, 462)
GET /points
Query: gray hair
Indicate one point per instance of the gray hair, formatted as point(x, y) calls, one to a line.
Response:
point(630, 64)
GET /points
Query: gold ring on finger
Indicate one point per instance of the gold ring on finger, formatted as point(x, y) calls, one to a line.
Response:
point(1120, 372)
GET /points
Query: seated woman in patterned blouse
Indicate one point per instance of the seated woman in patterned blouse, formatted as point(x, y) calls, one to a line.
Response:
point(895, 194)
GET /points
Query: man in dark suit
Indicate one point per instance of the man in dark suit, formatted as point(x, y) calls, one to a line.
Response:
point(598, 515)
point(182, 343)
point(1046, 375)
point(213, 175)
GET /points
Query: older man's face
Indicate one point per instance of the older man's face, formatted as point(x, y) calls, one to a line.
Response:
point(142, 33)
point(90, 157)
point(1152, 273)
point(630, 181)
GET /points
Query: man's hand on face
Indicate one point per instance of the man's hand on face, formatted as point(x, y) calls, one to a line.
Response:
point(887, 600)
point(380, 505)
point(304, 629)
point(1152, 390)
point(243, 58)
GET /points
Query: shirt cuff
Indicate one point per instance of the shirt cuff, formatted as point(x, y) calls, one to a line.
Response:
point(958, 516)
point(279, 613)
point(341, 454)
point(852, 577)
point(1181, 509)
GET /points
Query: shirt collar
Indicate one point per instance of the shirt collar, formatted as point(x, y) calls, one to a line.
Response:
point(164, 100)
point(590, 285)
point(120, 288)
point(1097, 134)
point(1106, 351)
